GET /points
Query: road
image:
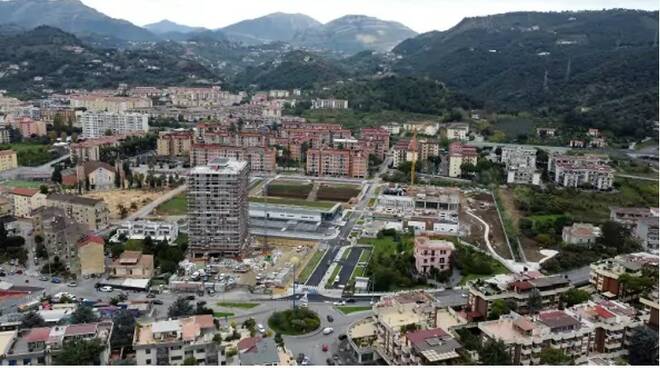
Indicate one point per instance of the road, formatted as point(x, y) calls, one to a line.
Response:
point(637, 177)
point(27, 172)
point(349, 265)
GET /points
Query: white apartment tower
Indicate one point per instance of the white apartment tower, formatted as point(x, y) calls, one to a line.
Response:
point(218, 208)
point(96, 124)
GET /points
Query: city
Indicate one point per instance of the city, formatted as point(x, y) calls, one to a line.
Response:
point(295, 201)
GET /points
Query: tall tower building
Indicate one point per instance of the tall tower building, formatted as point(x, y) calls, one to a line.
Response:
point(218, 208)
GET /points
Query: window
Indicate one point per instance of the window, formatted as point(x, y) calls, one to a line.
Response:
point(147, 362)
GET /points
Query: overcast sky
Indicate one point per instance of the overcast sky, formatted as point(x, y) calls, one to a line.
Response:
point(420, 15)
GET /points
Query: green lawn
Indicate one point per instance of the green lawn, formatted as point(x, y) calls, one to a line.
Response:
point(333, 275)
point(345, 254)
point(310, 266)
point(326, 205)
point(364, 256)
point(223, 314)
point(177, 206)
point(239, 305)
point(30, 154)
point(134, 244)
point(358, 271)
point(353, 309)
point(21, 184)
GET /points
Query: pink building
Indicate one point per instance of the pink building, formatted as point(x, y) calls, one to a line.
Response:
point(29, 128)
point(432, 254)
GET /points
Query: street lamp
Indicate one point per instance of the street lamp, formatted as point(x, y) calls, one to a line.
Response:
point(294, 261)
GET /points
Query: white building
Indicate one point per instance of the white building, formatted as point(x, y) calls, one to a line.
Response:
point(579, 171)
point(520, 165)
point(331, 103)
point(457, 131)
point(647, 232)
point(157, 231)
point(96, 124)
point(580, 233)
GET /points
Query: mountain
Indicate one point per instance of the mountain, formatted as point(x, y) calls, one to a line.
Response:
point(47, 58)
point(71, 16)
point(269, 28)
point(167, 26)
point(296, 69)
point(354, 33)
point(586, 67)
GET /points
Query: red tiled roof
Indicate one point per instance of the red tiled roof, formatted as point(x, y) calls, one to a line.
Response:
point(248, 344)
point(38, 334)
point(521, 285)
point(80, 329)
point(417, 337)
point(26, 192)
point(603, 313)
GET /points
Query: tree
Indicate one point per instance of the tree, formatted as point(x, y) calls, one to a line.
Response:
point(494, 353)
point(279, 340)
point(57, 174)
point(32, 319)
point(498, 308)
point(190, 361)
point(43, 189)
point(643, 348)
point(534, 301)
point(573, 297)
point(80, 352)
point(83, 314)
point(550, 356)
point(122, 329)
point(180, 308)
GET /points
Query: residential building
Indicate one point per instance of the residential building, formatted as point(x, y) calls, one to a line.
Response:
point(218, 208)
point(39, 346)
point(88, 211)
point(407, 150)
point(31, 128)
point(377, 139)
point(61, 235)
point(98, 174)
point(156, 230)
point(202, 97)
point(8, 160)
point(133, 265)
point(647, 232)
point(605, 274)
point(460, 154)
point(97, 124)
point(457, 131)
point(91, 256)
point(337, 162)
point(650, 301)
point(546, 132)
point(431, 254)
point(258, 352)
point(330, 104)
point(629, 216)
point(515, 289)
point(520, 164)
point(26, 200)
point(6, 206)
point(593, 132)
point(580, 233)
point(170, 342)
point(259, 159)
point(5, 135)
point(430, 347)
point(106, 103)
point(174, 143)
point(579, 171)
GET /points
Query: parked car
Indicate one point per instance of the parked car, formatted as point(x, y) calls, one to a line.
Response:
point(261, 328)
point(19, 272)
point(328, 330)
point(151, 295)
point(106, 289)
point(190, 297)
point(350, 300)
point(324, 348)
point(157, 302)
point(342, 337)
point(329, 362)
point(56, 280)
point(41, 278)
point(72, 284)
point(330, 319)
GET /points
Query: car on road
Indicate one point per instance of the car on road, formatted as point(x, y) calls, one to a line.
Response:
point(329, 362)
point(56, 280)
point(43, 278)
point(324, 348)
point(157, 302)
point(151, 295)
point(330, 319)
point(190, 297)
point(350, 300)
point(261, 328)
point(72, 284)
point(328, 330)
point(342, 337)
point(3, 274)
point(106, 289)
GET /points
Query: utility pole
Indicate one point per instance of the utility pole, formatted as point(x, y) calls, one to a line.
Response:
point(568, 70)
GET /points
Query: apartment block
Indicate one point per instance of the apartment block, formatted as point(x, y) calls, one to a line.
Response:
point(174, 143)
point(430, 254)
point(31, 128)
point(90, 149)
point(91, 212)
point(96, 124)
point(337, 162)
point(91, 255)
point(133, 265)
point(259, 159)
point(202, 97)
point(218, 208)
point(407, 150)
point(8, 160)
point(376, 140)
point(457, 131)
point(516, 289)
point(629, 216)
point(5, 136)
point(61, 235)
point(580, 171)
point(106, 103)
point(647, 232)
point(26, 200)
point(580, 233)
point(170, 342)
point(156, 230)
point(329, 104)
point(605, 274)
point(520, 163)
point(460, 154)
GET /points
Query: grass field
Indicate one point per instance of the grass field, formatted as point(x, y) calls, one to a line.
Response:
point(364, 256)
point(353, 309)
point(333, 276)
point(21, 184)
point(177, 206)
point(310, 266)
point(294, 202)
point(238, 305)
point(358, 271)
point(30, 154)
point(223, 314)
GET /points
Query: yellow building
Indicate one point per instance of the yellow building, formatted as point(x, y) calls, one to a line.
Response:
point(174, 143)
point(8, 160)
point(27, 200)
point(90, 255)
point(460, 154)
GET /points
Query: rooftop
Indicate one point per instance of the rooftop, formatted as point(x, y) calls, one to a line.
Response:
point(68, 198)
point(223, 166)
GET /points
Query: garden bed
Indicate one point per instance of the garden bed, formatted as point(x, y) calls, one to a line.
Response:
point(337, 192)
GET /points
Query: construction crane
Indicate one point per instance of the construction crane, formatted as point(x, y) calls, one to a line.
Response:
point(413, 147)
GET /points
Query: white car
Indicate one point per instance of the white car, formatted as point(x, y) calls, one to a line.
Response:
point(328, 330)
point(261, 329)
point(106, 289)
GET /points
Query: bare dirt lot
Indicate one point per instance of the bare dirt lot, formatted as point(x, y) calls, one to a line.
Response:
point(130, 199)
point(483, 205)
point(529, 246)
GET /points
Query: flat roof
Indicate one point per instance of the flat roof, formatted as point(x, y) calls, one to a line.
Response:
point(221, 165)
point(6, 339)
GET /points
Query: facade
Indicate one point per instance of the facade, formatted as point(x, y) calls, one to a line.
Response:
point(629, 216)
point(546, 132)
point(431, 254)
point(337, 162)
point(31, 128)
point(378, 139)
point(218, 208)
point(157, 231)
point(174, 143)
point(407, 150)
point(91, 256)
point(457, 131)
point(112, 104)
point(580, 233)
point(259, 159)
point(520, 163)
point(91, 212)
point(26, 200)
point(98, 174)
point(330, 104)
point(133, 265)
point(460, 154)
point(5, 136)
point(170, 342)
point(96, 124)
point(61, 235)
point(579, 171)
point(8, 160)
point(647, 232)
point(605, 274)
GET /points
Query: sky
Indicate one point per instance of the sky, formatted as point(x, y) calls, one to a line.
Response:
point(420, 15)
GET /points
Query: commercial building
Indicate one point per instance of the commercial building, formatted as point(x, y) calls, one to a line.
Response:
point(259, 159)
point(170, 342)
point(105, 103)
point(605, 274)
point(96, 124)
point(91, 212)
point(457, 131)
point(581, 171)
point(580, 233)
point(174, 143)
point(329, 104)
point(8, 160)
point(218, 208)
point(26, 200)
point(431, 254)
point(515, 289)
point(156, 230)
point(337, 162)
point(133, 265)
point(460, 154)
point(520, 163)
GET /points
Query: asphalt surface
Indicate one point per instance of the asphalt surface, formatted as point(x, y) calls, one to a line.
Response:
point(348, 265)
